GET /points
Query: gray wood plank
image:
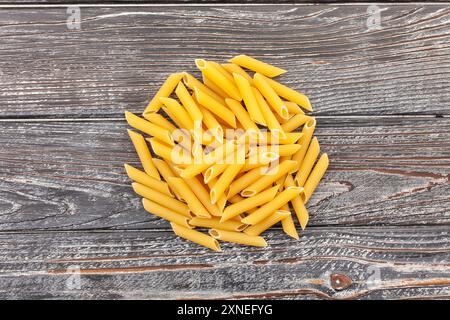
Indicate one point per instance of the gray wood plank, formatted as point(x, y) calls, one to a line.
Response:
point(379, 262)
point(122, 54)
point(69, 175)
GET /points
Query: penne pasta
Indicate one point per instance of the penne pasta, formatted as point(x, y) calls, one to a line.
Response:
point(242, 115)
point(224, 181)
point(181, 114)
point(165, 213)
point(175, 154)
point(270, 95)
point(308, 130)
point(215, 107)
point(293, 108)
point(238, 237)
point(196, 237)
point(222, 70)
point(214, 87)
point(281, 199)
point(271, 176)
point(166, 172)
point(230, 225)
point(192, 83)
point(203, 195)
point(269, 118)
point(189, 104)
point(165, 91)
point(295, 122)
point(234, 68)
point(257, 66)
point(257, 229)
point(249, 98)
point(189, 196)
point(298, 203)
point(308, 162)
point(161, 199)
point(160, 121)
point(144, 154)
point(257, 160)
point(288, 224)
point(212, 124)
point(218, 78)
point(143, 178)
point(149, 128)
point(222, 201)
point(316, 174)
point(214, 171)
point(249, 203)
point(290, 94)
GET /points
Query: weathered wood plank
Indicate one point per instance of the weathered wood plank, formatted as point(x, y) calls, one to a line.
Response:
point(122, 54)
point(381, 262)
point(69, 175)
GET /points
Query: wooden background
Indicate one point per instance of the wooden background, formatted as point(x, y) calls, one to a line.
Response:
point(379, 225)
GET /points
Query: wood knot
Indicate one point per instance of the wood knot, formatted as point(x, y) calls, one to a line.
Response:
point(340, 281)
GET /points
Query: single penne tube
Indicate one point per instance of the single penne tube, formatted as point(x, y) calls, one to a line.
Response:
point(264, 211)
point(222, 70)
point(214, 171)
point(242, 115)
point(238, 237)
point(315, 176)
point(270, 177)
point(268, 138)
point(165, 213)
point(203, 195)
point(143, 178)
point(249, 98)
point(165, 91)
point(149, 128)
point(224, 181)
point(175, 154)
point(257, 66)
point(161, 199)
point(293, 108)
point(308, 162)
point(222, 201)
point(249, 203)
point(212, 124)
point(271, 96)
point(290, 94)
point(215, 107)
point(234, 68)
point(166, 172)
point(288, 224)
point(218, 78)
point(245, 180)
point(282, 150)
point(260, 227)
point(160, 121)
point(144, 154)
point(182, 114)
point(280, 181)
point(257, 160)
point(214, 87)
point(295, 122)
point(298, 203)
point(189, 196)
point(308, 130)
point(270, 119)
point(215, 223)
point(196, 237)
point(189, 103)
point(191, 82)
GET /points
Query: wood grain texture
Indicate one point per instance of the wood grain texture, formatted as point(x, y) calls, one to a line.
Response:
point(69, 175)
point(122, 54)
point(386, 262)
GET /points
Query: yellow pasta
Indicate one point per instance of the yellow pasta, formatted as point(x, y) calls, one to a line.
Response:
point(218, 78)
point(196, 237)
point(143, 178)
point(214, 87)
point(183, 116)
point(238, 237)
point(159, 120)
point(308, 162)
point(249, 203)
point(215, 107)
point(175, 154)
point(234, 68)
point(212, 124)
point(257, 160)
point(282, 150)
point(271, 176)
point(149, 128)
point(165, 91)
point(289, 138)
point(165, 213)
point(281, 199)
point(249, 98)
point(191, 199)
point(293, 108)
point(242, 115)
point(144, 154)
point(270, 95)
point(298, 203)
point(166, 172)
point(222, 201)
point(295, 122)
point(316, 174)
point(308, 130)
point(257, 229)
point(192, 83)
point(290, 95)
point(189, 104)
point(269, 118)
point(230, 225)
point(161, 199)
point(222, 70)
point(288, 224)
point(203, 195)
point(214, 171)
point(224, 181)
point(257, 66)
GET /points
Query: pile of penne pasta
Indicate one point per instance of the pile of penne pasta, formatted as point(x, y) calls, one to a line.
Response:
point(234, 151)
